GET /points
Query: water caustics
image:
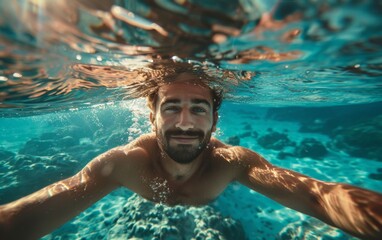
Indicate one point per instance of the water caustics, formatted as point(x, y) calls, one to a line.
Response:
point(69, 54)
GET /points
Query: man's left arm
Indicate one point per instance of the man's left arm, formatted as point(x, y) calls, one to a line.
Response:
point(355, 210)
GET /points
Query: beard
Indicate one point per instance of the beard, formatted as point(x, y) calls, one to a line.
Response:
point(183, 153)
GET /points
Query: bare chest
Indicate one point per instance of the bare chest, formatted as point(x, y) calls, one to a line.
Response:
point(198, 191)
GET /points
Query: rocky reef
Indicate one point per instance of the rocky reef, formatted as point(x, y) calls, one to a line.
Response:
point(362, 139)
point(65, 146)
point(280, 141)
point(311, 147)
point(311, 228)
point(141, 219)
point(355, 129)
point(275, 140)
point(377, 175)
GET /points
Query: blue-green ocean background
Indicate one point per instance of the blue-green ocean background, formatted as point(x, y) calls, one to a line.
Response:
point(312, 101)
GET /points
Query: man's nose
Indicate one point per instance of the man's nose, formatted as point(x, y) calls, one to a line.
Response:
point(184, 120)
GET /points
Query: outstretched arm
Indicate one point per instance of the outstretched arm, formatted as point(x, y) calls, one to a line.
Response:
point(41, 212)
point(355, 210)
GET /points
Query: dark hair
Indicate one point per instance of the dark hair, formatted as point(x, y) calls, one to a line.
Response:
point(216, 93)
point(167, 72)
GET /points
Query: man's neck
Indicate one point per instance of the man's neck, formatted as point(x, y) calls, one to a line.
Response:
point(181, 172)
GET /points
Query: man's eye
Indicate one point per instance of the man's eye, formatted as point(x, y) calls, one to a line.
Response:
point(171, 109)
point(198, 110)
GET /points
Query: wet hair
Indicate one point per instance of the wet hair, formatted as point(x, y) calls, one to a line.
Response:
point(171, 75)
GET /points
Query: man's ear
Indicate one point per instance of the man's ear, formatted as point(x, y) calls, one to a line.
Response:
point(215, 121)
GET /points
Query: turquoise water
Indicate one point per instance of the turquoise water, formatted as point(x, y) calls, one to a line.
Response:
point(303, 89)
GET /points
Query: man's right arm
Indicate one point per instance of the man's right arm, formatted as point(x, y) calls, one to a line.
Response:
point(39, 213)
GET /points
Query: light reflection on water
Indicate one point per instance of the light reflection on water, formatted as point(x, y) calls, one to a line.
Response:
point(56, 54)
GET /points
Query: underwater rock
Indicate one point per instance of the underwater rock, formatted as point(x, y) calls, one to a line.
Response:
point(74, 131)
point(235, 140)
point(49, 143)
point(142, 219)
point(67, 141)
point(274, 140)
point(85, 151)
point(312, 148)
point(6, 155)
point(362, 139)
point(52, 166)
point(247, 126)
point(64, 161)
point(308, 228)
point(24, 159)
point(376, 176)
point(31, 173)
point(39, 147)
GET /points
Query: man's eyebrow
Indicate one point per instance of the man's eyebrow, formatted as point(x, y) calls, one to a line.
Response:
point(200, 100)
point(194, 101)
point(171, 100)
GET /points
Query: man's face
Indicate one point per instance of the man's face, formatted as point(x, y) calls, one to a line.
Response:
point(183, 120)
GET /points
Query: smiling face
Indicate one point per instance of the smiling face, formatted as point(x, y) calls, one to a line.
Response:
point(183, 120)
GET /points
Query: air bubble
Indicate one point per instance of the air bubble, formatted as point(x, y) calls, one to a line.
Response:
point(17, 75)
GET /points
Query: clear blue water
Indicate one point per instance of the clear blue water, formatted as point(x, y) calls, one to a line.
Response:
point(308, 75)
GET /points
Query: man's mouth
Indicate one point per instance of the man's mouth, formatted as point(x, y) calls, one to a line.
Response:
point(184, 139)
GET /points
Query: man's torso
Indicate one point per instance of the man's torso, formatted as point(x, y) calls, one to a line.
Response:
point(150, 181)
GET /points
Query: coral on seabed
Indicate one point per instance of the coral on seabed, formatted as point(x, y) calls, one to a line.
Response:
point(361, 140)
point(275, 140)
point(311, 147)
point(142, 219)
point(311, 227)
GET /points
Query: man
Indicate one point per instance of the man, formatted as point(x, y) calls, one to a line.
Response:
point(180, 163)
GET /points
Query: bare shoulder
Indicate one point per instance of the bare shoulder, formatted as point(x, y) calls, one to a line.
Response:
point(145, 141)
point(236, 155)
point(124, 160)
point(137, 151)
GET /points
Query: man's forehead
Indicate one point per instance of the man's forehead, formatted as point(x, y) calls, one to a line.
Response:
point(190, 89)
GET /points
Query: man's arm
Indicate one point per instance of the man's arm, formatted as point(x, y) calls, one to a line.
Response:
point(41, 212)
point(355, 210)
